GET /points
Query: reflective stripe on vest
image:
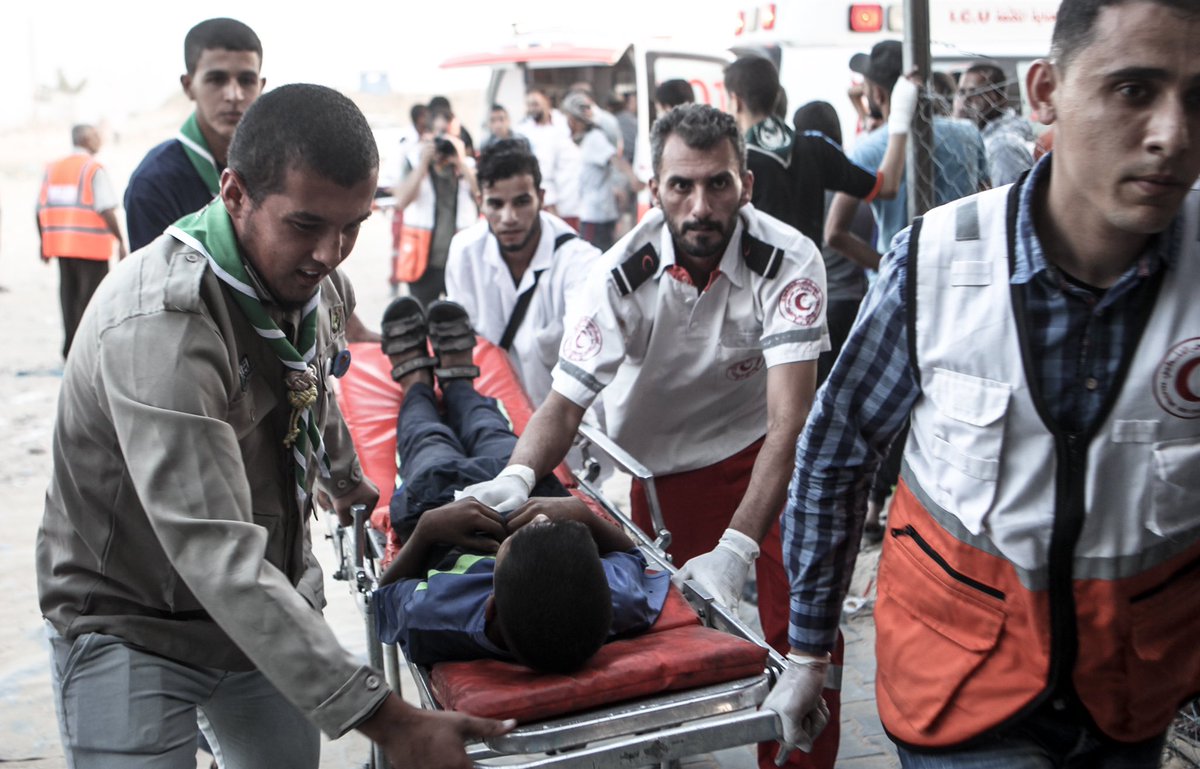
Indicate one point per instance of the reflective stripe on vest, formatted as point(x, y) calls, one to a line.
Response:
point(70, 226)
point(1006, 574)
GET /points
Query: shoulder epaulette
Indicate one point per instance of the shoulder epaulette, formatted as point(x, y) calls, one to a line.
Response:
point(186, 269)
point(565, 237)
point(636, 269)
point(761, 257)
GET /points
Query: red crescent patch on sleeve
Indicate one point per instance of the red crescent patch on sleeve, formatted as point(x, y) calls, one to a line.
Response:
point(801, 302)
point(584, 342)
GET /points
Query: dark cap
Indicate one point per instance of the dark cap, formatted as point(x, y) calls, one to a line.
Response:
point(882, 66)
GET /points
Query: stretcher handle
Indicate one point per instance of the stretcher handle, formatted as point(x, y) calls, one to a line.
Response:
point(723, 618)
point(358, 533)
point(629, 464)
point(663, 745)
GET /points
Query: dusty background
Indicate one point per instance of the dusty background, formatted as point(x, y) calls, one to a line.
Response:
point(30, 375)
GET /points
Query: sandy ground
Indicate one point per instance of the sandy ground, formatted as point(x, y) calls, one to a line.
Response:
point(30, 375)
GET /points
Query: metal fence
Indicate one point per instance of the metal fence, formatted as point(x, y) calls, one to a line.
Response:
point(944, 162)
point(919, 168)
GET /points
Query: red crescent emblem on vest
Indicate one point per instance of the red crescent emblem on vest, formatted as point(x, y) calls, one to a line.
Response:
point(1177, 380)
point(801, 302)
point(1183, 381)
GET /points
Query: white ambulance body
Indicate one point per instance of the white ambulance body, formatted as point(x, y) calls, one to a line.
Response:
point(620, 67)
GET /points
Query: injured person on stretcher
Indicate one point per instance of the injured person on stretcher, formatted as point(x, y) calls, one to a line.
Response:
point(546, 584)
point(696, 681)
point(547, 587)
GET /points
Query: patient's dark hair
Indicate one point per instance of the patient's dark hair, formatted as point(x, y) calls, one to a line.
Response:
point(552, 600)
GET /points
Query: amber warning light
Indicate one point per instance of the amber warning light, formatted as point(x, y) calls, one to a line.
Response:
point(866, 17)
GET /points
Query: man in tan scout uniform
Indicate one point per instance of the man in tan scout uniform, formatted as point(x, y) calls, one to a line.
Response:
point(174, 562)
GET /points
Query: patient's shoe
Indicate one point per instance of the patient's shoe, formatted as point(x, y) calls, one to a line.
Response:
point(406, 337)
point(453, 340)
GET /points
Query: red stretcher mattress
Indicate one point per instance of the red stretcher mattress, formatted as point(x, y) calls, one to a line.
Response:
point(676, 653)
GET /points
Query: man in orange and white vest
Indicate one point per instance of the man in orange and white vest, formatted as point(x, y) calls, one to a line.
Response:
point(1039, 586)
point(77, 220)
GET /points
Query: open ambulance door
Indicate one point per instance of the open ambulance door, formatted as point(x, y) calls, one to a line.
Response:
point(620, 69)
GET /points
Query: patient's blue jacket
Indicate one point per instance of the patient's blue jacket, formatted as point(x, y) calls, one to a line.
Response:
point(441, 617)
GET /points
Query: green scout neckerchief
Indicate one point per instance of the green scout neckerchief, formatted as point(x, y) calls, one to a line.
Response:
point(210, 232)
point(774, 136)
point(197, 151)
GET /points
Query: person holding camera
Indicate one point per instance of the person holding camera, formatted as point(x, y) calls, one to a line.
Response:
point(438, 194)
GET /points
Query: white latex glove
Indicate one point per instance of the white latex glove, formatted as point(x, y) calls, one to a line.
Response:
point(797, 699)
point(903, 106)
point(723, 570)
point(504, 493)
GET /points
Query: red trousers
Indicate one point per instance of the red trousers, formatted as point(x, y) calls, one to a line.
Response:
point(697, 507)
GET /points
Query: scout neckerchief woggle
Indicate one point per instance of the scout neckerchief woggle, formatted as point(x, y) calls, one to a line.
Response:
point(197, 151)
point(210, 232)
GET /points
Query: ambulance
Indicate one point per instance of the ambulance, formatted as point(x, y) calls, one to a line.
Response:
point(616, 67)
point(811, 41)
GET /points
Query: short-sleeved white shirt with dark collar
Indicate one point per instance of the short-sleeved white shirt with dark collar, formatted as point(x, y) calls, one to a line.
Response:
point(683, 372)
point(478, 279)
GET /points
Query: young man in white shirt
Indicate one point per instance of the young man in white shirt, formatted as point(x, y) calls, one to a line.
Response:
point(514, 270)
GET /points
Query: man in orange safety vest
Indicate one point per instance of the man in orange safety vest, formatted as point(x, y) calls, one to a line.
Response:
point(77, 221)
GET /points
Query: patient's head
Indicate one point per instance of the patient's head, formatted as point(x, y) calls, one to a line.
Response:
point(552, 600)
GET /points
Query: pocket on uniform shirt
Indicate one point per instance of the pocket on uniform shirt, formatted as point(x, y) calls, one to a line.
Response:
point(966, 440)
point(548, 341)
point(250, 406)
point(1175, 484)
point(246, 413)
point(739, 356)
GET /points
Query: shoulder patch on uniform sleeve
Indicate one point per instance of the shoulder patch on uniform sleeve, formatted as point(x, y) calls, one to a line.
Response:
point(761, 257)
point(636, 269)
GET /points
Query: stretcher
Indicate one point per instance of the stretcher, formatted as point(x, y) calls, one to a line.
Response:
point(691, 684)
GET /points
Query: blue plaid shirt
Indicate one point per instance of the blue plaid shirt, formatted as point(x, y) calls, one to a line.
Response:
point(1078, 336)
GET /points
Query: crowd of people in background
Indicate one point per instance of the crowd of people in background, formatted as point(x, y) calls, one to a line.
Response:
point(585, 149)
point(1040, 350)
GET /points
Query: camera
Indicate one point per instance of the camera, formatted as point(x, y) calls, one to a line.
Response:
point(443, 146)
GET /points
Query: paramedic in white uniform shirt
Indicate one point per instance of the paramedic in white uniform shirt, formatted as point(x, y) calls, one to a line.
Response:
point(517, 250)
point(702, 327)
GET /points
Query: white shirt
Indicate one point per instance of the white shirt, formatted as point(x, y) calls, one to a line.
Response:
point(596, 200)
point(557, 157)
point(479, 280)
point(684, 373)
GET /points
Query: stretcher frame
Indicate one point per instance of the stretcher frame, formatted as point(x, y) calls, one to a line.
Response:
point(658, 729)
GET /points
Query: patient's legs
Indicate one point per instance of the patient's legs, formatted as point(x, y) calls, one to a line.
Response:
point(423, 441)
point(476, 420)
